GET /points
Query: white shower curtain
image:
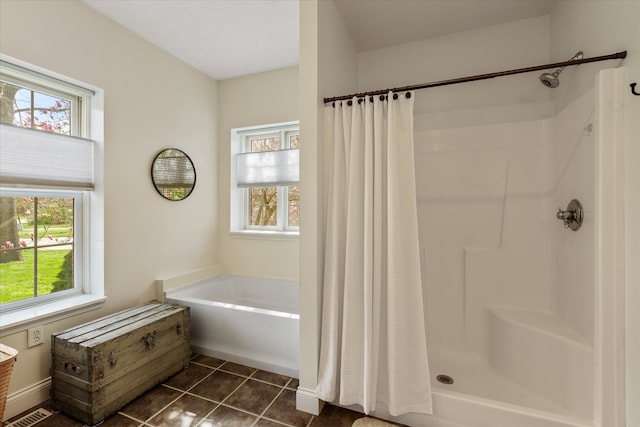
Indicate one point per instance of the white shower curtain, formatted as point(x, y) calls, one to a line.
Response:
point(373, 343)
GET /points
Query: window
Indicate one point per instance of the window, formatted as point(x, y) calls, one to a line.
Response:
point(37, 260)
point(51, 219)
point(35, 107)
point(265, 195)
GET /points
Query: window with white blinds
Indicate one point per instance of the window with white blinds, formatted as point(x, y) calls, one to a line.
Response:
point(49, 206)
point(265, 175)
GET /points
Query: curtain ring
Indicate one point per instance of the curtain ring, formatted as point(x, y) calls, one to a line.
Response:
point(395, 96)
point(350, 103)
point(371, 99)
point(360, 101)
point(408, 95)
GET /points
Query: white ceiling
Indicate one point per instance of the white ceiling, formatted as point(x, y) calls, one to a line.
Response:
point(222, 38)
point(231, 38)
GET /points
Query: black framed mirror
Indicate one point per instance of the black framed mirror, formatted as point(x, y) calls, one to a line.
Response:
point(173, 174)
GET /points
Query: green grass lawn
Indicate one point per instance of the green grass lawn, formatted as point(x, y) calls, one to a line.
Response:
point(16, 278)
point(53, 231)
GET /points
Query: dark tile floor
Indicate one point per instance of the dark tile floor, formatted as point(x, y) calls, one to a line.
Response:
point(217, 393)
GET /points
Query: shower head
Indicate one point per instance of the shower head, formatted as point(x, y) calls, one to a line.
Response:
point(551, 80)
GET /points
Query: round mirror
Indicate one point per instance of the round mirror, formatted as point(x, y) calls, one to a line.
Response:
point(173, 174)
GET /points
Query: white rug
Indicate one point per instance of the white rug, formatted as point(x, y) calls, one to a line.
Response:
point(371, 422)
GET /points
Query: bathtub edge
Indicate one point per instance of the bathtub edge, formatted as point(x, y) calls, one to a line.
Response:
point(178, 281)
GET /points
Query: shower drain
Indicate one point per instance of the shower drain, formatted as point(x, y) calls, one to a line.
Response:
point(445, 379)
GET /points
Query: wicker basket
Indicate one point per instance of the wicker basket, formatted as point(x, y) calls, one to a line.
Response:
point(8, 356)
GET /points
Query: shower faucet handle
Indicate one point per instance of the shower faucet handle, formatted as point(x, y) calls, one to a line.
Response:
point(572, 216)
point(566, 216)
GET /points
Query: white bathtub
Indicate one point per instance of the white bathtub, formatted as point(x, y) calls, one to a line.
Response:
point(246, 320)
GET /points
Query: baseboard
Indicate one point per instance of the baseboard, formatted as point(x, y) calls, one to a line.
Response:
point(27, 398)
point(307, 401)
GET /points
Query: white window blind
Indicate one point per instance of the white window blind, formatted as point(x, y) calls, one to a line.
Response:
point(32, 157)
point(268, 168)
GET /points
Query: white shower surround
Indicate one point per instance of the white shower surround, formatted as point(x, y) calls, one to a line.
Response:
point(522, 313)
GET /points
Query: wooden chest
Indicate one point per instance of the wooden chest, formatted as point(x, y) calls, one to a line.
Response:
point(100, 366)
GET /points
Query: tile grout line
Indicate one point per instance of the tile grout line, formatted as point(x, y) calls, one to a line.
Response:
point(262, 415)
point(313, 417)
point(126, 416)
point(145, 422)
point(182, 393)
point(270, 383)
point(283, 388)
point(208, 413)
point(280, 423)
point(189, 392)
point(219, 404)
point(264, 411)
point(213, 370)
point(234, 390)
point(227, 397)
point(250, 376)
point(282, 384)
point(165, 407)
point(235, 373)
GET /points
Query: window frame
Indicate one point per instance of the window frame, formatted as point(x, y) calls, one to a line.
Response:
point(239, 200)
point(20, 73)
point(76, 101)
point(79, 243)
point(88, 293)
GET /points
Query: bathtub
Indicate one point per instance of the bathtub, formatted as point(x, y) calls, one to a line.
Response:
point(247, 320)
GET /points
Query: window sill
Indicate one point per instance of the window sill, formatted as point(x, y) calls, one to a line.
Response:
point(19, 320)
point(266, 235)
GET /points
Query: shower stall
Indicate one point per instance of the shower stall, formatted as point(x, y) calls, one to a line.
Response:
point(521, 302)
point(520, 234)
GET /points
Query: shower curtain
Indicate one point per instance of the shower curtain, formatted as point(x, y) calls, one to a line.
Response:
point(373, 344)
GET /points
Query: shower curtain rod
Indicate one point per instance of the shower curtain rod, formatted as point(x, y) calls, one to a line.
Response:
point(617, 55)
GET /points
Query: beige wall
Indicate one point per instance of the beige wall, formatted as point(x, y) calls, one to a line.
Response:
point(328, 67)
point(259, 99)
point(152, 101)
